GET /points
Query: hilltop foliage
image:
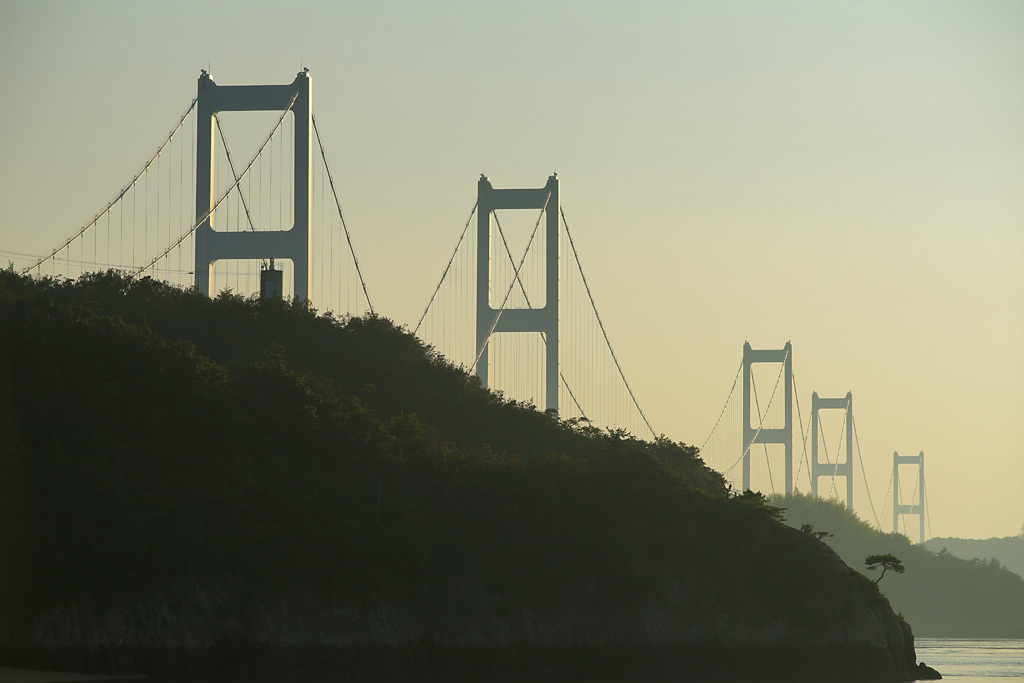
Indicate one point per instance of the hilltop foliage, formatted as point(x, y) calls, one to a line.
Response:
point(155, 436)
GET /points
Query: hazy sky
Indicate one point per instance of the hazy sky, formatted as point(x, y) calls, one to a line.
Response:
point(845, 175)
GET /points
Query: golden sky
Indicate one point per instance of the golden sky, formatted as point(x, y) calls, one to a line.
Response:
point(845, 175)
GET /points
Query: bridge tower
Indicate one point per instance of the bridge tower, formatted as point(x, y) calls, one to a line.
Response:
point(294, 243)
point(490, 320)
point(837, 469)
point(753, 435)
point(910, 508)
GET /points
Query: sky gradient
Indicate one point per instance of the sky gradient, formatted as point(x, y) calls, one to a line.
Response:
point(845, 175)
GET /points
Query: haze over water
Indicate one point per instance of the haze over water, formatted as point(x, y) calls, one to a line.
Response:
point(973, 661)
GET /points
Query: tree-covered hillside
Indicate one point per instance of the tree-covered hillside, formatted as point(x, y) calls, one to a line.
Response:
point(132, 458)
point(183, 476)
point(387, 368)
point(940, 594)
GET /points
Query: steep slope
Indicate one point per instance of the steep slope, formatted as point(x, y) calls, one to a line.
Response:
point(942, 595)
point(389, 370)
point(247, 518)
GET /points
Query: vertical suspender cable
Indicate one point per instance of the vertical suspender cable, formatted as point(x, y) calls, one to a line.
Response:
point(200, 219)
point(839, 447)
point(761, 417)
point(135, 199)
point(867, 488)
point(194, 134)
point(446, 269)
point(110, 205)
point(803, 436)
point(601, 325)
point(760, 426)
point(158, 181)
point(337, 203)
point(735, 380)
point(320, 246)
point(120, 234)
point(494, 323)
point(181, 196)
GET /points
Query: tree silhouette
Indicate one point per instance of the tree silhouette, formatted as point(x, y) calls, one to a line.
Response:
point(886, 562)
point(820, 535)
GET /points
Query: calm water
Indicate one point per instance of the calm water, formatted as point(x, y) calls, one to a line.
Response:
point(973, 661)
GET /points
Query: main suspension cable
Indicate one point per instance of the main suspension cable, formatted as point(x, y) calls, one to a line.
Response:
point(209, 212)
point(771, 399)
point(337, 203)
point(446, 269)
point(120, 195)
point(803, 436)
point(885, 503)
point(237, 178)
point(757, 405)
point(835, 471)
point(543, 336)
point(906, 521)
point(600, 323)
point(856, 439)
point(515, 276)
point(728, 398)
point(925, 510)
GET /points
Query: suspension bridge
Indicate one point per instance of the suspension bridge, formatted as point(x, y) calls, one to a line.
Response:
point(512, 303)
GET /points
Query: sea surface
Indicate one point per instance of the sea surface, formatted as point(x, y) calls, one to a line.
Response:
point(973, 661)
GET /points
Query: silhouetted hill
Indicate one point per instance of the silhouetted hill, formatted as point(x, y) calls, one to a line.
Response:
point(388, 369)
point(940, 594)
point(236, 489)
point(1009, 551)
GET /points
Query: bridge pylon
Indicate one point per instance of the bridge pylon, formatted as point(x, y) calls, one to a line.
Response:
point(910, 508)
point(836, 469)
point(295, 243)
point(489, 320)
point(760, 434)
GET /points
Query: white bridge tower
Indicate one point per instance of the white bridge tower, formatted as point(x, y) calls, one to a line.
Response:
point(295, 243)
point(489, 320)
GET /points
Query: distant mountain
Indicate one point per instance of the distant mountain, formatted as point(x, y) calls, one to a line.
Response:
point(1009, 551)
point(942, 595)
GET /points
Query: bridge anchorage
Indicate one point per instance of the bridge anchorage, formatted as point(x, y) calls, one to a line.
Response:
point(838, 468)
point(294, 243)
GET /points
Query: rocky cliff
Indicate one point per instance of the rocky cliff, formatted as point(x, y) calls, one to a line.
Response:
point(243, 490)
point(832, 625)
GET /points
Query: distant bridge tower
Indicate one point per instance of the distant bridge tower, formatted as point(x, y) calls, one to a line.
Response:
point(751, 434)
point(910, 508)
point(294, 243)
point(543, 320)
point(836, 469)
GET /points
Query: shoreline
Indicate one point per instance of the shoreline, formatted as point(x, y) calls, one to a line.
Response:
point(426, 660)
